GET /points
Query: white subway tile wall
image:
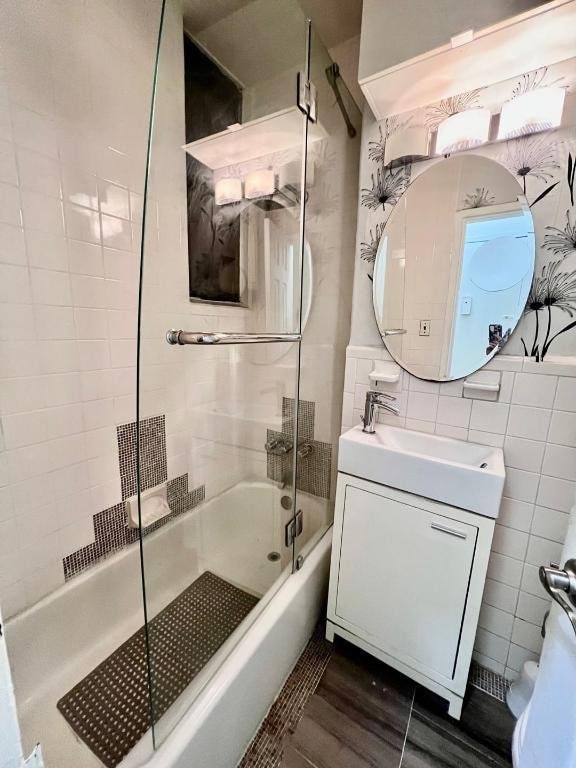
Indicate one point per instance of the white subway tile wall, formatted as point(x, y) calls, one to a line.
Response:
point(72, 160)
point(533, 421)
point(73, 140)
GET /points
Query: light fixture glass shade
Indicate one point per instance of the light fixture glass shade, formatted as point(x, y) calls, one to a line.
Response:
point(537, 110)
point(259, 183)
point(228, 191)
point(463, 130)
point(407, 145)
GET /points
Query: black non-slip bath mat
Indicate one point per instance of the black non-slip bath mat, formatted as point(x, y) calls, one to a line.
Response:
point(110, 708)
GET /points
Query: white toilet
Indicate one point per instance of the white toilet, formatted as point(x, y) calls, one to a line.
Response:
point(545, 734)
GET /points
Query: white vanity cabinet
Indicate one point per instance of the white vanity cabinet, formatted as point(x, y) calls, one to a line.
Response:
point(406, 582)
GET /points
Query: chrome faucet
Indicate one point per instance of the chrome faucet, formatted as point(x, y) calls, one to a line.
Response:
point(375, 400)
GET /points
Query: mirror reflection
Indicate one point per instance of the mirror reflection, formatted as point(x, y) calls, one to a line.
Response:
point(454, 268)
point(277, 272)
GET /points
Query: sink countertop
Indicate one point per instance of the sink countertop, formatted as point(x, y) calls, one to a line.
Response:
point(465, 475)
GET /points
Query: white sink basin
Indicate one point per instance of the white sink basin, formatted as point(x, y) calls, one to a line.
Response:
point(458, 473)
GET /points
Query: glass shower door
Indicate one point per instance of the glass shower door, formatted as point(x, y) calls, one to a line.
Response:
point(331, 191)
point(224, 288)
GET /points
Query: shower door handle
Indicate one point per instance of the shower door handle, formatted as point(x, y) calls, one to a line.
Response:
point(212, 337)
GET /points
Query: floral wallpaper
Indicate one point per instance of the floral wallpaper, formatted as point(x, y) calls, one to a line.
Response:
point(545, 167)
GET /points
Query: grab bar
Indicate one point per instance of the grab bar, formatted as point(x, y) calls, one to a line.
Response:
point(332, 75)
point(209, 337)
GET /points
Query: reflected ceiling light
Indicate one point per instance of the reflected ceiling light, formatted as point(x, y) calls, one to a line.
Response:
point(537, 110)
point(407, 145)
point(228, 191)
point(463, 130)
point(259, 183)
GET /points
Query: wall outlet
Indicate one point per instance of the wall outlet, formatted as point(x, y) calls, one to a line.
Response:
point(424, 327)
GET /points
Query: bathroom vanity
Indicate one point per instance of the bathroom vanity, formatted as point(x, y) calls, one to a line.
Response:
point(413, 527)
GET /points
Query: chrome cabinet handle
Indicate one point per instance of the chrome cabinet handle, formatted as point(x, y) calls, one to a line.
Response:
point(209, 337)
point(450, 531)
point(561, 586)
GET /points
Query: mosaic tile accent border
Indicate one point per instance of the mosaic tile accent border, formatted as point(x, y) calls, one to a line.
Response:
point(111, 533)
point(314, 471)
point(490, 682)
point(153, 462)
point(265, 750)
point(306, 416)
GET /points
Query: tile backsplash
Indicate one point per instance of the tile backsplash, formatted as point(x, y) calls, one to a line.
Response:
point(534, 421)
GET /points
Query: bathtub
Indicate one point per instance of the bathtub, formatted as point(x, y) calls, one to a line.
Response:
point(55, 643)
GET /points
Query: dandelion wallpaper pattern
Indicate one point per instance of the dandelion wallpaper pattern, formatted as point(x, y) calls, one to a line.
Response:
point(544, 165)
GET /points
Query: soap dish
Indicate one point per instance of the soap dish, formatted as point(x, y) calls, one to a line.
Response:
point(483, 385)
point(385, 372)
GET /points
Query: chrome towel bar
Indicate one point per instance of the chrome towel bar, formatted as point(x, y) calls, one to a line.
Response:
point(195, 337)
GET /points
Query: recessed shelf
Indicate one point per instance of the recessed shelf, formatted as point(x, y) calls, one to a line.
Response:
point(278, 132)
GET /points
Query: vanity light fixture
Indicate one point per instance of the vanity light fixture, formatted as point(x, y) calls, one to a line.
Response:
point(259, 184)
point(533, 111)
point(228, 190)
point(407, 145)
point(463, 130)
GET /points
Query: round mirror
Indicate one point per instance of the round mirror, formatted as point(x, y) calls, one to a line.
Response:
point(454, 268)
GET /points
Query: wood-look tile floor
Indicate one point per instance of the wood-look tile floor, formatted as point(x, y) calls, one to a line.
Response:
point(366, 715)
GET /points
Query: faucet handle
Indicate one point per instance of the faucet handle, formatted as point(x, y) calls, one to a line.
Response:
point(270, 445)
point(376, 395)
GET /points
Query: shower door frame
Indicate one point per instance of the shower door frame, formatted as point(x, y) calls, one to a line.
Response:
point(307, 105)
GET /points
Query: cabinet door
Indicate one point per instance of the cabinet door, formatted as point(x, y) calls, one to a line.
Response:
point(403, 578)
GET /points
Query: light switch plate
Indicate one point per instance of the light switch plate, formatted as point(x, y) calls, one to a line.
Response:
point(425, 327)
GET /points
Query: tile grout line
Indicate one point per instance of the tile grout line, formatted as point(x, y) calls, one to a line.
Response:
point(407, 728)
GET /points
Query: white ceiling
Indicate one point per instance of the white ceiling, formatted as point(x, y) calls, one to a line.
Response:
point(335, 20)
point(274, 29)
point(201, 14)
point(258, 41)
